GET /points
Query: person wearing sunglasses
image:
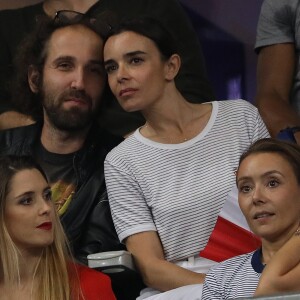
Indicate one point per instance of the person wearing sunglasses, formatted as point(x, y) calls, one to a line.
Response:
point(35, 262)
point(192, 79)
point(61, 80)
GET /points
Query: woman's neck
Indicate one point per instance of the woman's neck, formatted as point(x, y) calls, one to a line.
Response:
point(175, 121)
point(270, 247)
point(52, 6)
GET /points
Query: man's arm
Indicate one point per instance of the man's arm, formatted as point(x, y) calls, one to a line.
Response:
point(275, 72)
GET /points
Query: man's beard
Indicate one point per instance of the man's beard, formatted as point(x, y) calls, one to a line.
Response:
point(72, 119)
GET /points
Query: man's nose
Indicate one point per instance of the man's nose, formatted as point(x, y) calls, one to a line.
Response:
point(78, 79)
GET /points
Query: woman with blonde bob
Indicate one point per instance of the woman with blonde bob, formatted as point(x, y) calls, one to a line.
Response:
point(34, 258)
point(268, 181)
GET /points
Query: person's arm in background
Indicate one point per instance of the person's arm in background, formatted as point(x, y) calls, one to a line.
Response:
point(275, 73)
point(12, 119)
point(282, 272)
point(276, 47)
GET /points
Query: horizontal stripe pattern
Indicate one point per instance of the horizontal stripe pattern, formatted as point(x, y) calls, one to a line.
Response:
point(234, 278)
point(178, 190)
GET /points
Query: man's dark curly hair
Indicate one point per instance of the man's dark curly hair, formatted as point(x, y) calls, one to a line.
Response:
point(33, 52)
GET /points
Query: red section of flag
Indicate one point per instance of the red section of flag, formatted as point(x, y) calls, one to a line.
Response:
point(228, 240)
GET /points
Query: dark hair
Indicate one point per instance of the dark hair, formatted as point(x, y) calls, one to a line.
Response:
point(151, 28)
point(32, 52)
point(289, 151)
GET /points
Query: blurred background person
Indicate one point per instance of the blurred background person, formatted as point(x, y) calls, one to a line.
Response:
point(278, 68)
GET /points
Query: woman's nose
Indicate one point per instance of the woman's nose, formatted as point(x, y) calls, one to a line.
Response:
point(258, 196)
point(122, 73)
point(46, 207)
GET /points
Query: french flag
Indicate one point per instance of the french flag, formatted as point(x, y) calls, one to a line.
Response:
point(231, 235)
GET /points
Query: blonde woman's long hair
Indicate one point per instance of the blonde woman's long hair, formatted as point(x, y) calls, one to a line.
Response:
point(54, 272)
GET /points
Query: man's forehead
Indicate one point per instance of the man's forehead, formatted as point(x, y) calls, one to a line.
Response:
point(72, 38)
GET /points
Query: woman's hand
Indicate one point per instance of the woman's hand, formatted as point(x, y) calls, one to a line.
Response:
point(282, 272)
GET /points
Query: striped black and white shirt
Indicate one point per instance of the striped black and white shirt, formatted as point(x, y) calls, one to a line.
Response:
point(178, 190)
point(234, 278)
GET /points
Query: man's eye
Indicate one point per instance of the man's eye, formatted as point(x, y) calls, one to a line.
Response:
point(64, 66)
point(97, 70)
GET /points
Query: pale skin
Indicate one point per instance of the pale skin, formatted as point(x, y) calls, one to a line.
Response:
point(28, 205)
point(274, 83)
point(141, 80)
point(70, 66)
point(269, 198)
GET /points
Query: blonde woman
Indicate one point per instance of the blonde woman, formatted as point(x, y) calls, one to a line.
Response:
point(34, 259)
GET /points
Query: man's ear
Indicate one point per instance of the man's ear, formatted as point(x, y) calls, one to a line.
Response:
point(34, 78)
point(172, 67)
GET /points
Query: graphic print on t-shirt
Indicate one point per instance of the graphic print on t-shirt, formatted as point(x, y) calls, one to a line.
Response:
point(60, 172)
point(62, 194)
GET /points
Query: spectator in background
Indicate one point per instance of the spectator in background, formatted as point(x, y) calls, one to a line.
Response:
point(169, 180)
point(61, 79)
point(191, 80)
point(278, 69)
point(35, 262)
point(268, 181)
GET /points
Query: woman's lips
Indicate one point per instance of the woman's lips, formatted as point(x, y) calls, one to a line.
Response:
point(263, 215)
point(45, 226)
point(127, 92)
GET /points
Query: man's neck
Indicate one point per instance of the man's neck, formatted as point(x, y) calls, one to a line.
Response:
point(52, 6)
point(62, 142)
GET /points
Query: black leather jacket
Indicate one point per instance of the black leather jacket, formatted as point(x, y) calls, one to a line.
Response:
point(87, 221)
